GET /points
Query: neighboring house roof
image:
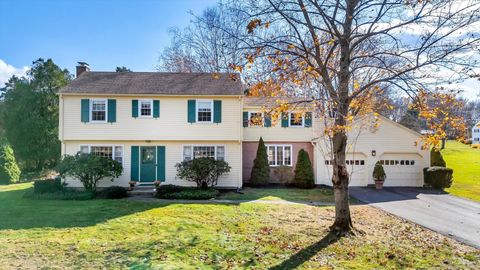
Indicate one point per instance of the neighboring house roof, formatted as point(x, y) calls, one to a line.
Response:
point(163, 83)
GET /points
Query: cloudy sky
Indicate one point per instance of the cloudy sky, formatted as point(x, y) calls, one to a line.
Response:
point(105, 34)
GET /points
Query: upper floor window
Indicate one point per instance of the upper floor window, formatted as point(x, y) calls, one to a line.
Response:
point(476, 130)
point(209, 151)
point(204, 111)
point(146, 108)
point(255, 119)
point(296, 120)
point(98, 111)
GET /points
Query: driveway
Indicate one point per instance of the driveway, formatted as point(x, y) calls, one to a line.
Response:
point(449, 215)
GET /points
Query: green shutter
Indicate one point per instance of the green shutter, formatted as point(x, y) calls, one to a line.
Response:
point(161, 163)
point(85, 114)
point(284, 119)
point(267, 120)
point(217, 111)
point(134, 163)
point(156, 108)
point(308, 119)
point(191, 110)
point(245, 119)
point(134, 108)
point(112, 111)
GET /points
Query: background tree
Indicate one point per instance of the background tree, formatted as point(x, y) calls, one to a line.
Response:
point(30, 114)
point(122, 69)
point(261, 169)
point(411, 120)
point(304, 171)
point(337, 54)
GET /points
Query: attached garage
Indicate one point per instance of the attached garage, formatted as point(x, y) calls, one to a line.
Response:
point(356, 166)
point(402, 169)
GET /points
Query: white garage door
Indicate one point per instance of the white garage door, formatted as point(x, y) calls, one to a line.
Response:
point(402, 169)
point(356, 166)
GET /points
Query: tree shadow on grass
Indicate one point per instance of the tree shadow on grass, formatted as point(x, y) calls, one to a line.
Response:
point(18, 212)
point(307, 253)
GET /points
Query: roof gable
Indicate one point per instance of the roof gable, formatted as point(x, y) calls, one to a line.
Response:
point(162, 83)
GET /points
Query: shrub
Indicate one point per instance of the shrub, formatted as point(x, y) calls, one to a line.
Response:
point(284, 174)
point(173, 192)
point(436, 158)
point(379, 172)
point(438, 177)
point(89, 169)
point(114, 192)
point(304, 171)
point(476, 146)
point(261, 169)
point(9, 171)
point(203, 171)
point(47, 186)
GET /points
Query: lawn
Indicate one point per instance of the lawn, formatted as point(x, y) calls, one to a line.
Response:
point(125, 234)
point(286, 194)
point(465, 162)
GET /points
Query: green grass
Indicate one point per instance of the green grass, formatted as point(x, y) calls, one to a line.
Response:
point(465, 162)
point(126, 234)
point(287, 194)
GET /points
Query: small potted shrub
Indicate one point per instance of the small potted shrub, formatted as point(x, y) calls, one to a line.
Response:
point(131, 185)
point(156, 183)
point(379, 175)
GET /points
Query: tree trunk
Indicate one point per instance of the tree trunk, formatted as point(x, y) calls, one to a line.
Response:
point(443, 143)
point(343, 220)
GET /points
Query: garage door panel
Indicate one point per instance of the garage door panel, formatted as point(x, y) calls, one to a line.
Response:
point(402, 169)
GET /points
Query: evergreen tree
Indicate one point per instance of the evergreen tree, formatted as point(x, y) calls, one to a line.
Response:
point(411, 120)
point(30, 114)
point(304, 171)
point(436, 158)
point(9, 171)
point(261, 170)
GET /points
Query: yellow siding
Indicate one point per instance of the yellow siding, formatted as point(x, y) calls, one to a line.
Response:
point(173, 155)
point(172, 124)
point(277, 132)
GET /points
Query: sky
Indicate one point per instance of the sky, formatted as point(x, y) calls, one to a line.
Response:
point(103, 33)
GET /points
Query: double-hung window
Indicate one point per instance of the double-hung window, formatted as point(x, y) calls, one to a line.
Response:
point(296, 120)
point(279, 155)
point(114, 152)
point(255, 119)
point(98, 111)
point(204, 111)
point(209, 151)
point(145, 108)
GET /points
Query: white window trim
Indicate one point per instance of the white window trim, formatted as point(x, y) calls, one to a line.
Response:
point(283, 149)
point(90, 110)
point(208, 145)
point(196, 111)
point(140, 108)
point(250, 117)
point(106, 145)
point(290, 120)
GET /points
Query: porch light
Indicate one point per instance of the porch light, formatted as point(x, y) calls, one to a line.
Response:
point(374, 153)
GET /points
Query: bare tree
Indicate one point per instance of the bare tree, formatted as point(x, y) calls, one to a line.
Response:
point(338, 54)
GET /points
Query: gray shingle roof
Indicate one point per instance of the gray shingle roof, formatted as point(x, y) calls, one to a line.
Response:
point(164, 83)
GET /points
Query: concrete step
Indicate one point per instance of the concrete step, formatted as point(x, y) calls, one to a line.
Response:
point(142, 191)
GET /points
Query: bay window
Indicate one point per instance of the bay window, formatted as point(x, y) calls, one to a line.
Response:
point(209, 151)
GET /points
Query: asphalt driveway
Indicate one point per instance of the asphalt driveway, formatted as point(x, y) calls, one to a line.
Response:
point(449, 215)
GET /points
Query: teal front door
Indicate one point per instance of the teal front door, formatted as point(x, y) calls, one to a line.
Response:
point(148, 160)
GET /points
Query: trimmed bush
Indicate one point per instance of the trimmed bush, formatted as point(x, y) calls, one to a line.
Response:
point(9, 171)
point(436, 158)
point(173, 192)
point(114, 192)
point(304, 171)
point(47, 186)
point(438, 177)
point(203, 171)
point(261, 169)
point(379, 172)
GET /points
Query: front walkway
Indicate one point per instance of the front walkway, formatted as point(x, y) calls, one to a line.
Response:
point(449, 215)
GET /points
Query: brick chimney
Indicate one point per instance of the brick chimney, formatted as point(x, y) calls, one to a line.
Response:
point(82, 67)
